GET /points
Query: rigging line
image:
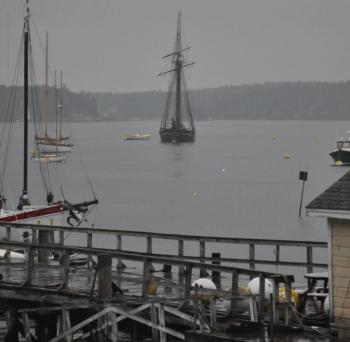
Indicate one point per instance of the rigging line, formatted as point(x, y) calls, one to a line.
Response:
point(44, 169)
point(168, 99)
point(86, 214)
point(187, 100)
point(11, 103)
point(81, 161)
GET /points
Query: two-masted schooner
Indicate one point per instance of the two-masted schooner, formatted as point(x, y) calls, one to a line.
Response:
point(50, 148)
point(177, 122)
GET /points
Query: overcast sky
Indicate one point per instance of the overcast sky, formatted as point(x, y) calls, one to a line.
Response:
point(117, 45)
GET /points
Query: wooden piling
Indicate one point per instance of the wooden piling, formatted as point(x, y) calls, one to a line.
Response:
point(216, 275)
point(203, 273)
point(104, 275)
point(120, 264)
point(181, 254)
point(89, 245)
point(44, 239)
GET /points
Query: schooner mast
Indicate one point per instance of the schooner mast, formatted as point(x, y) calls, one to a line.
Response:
point(177, 122)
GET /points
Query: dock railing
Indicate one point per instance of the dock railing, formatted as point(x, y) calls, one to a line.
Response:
point(88, 234)
point(40, 243)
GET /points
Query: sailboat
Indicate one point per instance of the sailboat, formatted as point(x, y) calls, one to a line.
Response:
point(45, 143)
point(50, 213)
point(177, 122)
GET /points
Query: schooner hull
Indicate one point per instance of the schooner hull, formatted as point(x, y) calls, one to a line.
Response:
point(52, 148)
point(176, 136)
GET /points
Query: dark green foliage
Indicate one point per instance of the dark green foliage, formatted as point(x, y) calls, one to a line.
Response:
point(273, 101)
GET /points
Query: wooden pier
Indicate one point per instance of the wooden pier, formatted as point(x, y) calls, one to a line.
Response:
point(58, 300)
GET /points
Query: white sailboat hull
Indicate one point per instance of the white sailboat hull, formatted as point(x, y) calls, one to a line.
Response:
point(52, 148)
point(49, 158)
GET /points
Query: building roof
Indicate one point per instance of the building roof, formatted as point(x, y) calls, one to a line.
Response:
point(334, 201)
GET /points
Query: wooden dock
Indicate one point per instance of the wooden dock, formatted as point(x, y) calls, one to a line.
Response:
point(57, 300)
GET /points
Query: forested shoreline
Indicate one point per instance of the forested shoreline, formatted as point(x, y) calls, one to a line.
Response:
point(267, 101)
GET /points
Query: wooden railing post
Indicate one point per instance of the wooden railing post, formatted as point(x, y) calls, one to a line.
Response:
point(61, 237)
point(146, 278)
point(213, 317)
point(234, 291)
point(65, 269)
point(89, 245)
point(216, 275)
point(30, 261)
point(261, 296)
point(277, 254)
point(188, 280)
point(181, 254)
point(104, 274)
point(252, 256)
point(203, 272)
point(120, 263)
point(288, 294)
point(34, 236)
point(149, 251)
point(8, 238)
point(309, 259)
point(43, 255)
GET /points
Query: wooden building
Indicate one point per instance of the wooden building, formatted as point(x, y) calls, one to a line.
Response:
point(334, 204)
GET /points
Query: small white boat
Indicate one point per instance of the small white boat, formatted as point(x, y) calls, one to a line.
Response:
point(137, 136)
point(48, 157)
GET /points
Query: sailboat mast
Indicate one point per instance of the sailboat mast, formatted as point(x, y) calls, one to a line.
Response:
point(56, 109)
point(46, 83)
point(178, 66)
point(61, 105)
point(24, 197)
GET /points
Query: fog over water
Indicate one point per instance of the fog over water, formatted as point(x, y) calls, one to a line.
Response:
point(117, 45)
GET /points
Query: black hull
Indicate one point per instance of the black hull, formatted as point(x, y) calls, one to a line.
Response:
point(339, 155)
point(176, 136)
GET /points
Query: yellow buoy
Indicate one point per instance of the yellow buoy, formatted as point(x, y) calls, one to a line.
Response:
point(195, 194)
point(286, 156)
point(338, 163)
point(274, 137)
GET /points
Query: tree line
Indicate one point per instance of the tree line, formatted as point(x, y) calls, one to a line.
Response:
point(267, 101)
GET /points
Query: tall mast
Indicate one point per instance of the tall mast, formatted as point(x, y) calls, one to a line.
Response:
point(178, 67)
point(56, 109)
point(24, 197)
point(46, 83)
point(61, 105)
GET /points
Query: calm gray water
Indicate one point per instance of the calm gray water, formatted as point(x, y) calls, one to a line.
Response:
point(244, 185)
point(233, 181)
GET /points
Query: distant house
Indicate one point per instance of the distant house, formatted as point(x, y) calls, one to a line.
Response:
point(334, 204)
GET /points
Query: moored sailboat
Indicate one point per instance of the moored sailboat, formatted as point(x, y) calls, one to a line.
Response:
point(59, 143)
point(177, 122)
point(52, 211)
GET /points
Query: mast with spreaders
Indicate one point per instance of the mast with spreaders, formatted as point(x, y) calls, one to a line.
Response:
point(172, 126)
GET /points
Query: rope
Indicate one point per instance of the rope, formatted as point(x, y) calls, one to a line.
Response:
point(9, 116)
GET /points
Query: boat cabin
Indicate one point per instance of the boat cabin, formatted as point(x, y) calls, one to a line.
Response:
point(343, 144)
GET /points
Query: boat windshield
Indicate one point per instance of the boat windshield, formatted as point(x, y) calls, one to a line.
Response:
point(343, 144)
